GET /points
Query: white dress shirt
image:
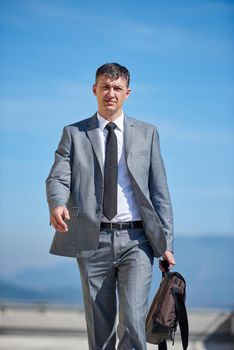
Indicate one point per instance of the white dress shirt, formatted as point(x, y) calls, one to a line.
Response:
point(127, 208)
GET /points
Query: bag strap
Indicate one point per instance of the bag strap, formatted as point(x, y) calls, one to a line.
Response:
point(180, 310)
point(165, 265)
point(162, 346)
point(182, 316)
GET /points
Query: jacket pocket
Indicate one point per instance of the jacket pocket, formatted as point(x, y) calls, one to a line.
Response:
point(74, 211)
point(140, 154)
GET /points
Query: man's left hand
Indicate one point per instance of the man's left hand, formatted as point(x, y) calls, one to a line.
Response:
point(169, 257)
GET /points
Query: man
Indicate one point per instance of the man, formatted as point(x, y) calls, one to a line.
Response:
point(110, 206)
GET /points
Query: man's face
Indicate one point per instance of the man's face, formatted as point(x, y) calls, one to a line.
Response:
point(110, 95)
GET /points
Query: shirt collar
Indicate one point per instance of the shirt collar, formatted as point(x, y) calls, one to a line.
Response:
point(103, 122)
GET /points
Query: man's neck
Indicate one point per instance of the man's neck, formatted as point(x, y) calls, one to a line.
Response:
point(110, 116)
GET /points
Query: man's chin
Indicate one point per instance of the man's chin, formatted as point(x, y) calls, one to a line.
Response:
point(112, 108)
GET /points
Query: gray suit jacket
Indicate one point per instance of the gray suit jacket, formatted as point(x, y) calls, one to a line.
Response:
point(76, 181)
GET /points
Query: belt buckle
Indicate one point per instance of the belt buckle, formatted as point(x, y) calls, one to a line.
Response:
point(111, 225)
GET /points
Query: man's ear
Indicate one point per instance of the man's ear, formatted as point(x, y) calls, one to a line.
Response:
point(128, 92)
point(94, 89)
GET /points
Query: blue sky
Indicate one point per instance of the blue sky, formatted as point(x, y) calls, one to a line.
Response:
point(180, 55)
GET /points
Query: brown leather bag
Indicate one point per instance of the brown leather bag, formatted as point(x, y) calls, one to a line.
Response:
point(167, 311)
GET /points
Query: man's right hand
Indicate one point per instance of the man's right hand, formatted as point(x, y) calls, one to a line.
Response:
point(57, 217)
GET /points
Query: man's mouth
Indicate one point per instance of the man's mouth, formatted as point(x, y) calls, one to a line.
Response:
point(110, 102)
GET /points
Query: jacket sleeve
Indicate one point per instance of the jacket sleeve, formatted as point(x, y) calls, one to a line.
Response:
point(159, 192)
point(59, 179)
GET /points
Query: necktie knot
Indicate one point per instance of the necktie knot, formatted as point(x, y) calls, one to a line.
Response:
point(111, 126)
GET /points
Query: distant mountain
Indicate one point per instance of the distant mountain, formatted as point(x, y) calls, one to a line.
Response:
point(65, 274)
point(205, 262)
point(64, 295)
point(10, 291)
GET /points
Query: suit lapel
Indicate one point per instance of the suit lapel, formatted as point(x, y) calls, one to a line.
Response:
point(94, 136)
point(128, 136)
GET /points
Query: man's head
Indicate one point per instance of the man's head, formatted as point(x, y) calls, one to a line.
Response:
point(111, 89)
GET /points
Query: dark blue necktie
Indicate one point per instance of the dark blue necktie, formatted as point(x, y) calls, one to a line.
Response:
point(110, 173)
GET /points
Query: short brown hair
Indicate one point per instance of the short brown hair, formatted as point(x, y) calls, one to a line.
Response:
point(114, 71)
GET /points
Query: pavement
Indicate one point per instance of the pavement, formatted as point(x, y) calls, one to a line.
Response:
point(43, 328)
point(31, 342)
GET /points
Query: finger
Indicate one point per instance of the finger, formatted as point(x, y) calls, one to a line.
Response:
point(171, 265)
point(59, 220)
point(60, 228)
point(169, 257)
point(52, 221)
point(66, 214)
point(57, 225)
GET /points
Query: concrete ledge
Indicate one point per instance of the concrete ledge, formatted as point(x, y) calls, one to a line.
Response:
point(204, 325)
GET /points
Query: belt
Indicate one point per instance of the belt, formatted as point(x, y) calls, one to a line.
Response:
point(121, 225)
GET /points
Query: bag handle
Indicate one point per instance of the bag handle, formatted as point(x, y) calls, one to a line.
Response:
point(165, 266)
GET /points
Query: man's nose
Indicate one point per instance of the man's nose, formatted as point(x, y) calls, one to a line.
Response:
point(111, 92)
